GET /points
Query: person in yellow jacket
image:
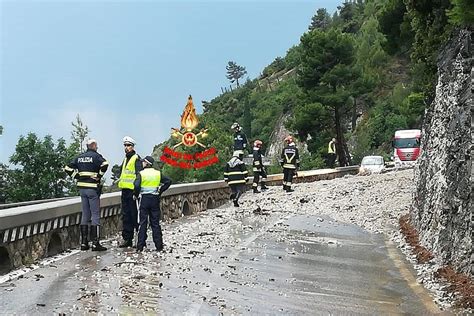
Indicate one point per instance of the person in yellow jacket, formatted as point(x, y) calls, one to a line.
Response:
point(129, 169)
point(332, 153)
point(150, 184)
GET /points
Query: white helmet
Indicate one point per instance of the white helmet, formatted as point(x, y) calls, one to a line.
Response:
point(235, 126)
point(128, 140)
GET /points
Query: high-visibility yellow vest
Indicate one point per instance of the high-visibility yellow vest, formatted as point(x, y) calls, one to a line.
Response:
point(128, 175)
point(330, 150)
point(151, 179)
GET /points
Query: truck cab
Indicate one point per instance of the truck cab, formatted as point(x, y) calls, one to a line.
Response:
point(406, 147)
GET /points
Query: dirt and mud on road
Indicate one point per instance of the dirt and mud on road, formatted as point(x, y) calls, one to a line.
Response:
point(324, 248)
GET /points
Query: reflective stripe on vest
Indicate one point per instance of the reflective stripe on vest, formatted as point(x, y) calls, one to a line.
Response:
point(128, 175)
point(151, 179)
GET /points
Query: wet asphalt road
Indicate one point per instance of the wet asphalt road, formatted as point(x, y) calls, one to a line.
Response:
point(231, 262)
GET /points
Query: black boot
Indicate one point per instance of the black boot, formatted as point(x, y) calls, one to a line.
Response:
point(284, 187)
point(289, 189)
point(236, 203)
point(255, 190)
point(263, 187)
point(126, 244)
point(96, 246)
point(84, 237)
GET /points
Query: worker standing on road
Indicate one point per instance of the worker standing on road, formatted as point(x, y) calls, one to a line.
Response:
point(150, 184)
point(88, 168)
point(332, 153)
point(130, 167)
point(290, 161)
point(258, 167)
point(240, 140)
point(235, 175)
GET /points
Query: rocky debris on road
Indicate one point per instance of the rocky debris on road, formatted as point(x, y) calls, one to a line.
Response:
point(202, 256)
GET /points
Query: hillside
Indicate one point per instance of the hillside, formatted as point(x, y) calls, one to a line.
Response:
point(358, 75)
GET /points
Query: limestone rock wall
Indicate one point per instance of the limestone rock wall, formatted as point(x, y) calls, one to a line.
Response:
point(442, 208)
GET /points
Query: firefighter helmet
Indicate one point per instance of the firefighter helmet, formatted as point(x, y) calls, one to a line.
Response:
point(257, 143)
point(235, 126)
point(288, 139)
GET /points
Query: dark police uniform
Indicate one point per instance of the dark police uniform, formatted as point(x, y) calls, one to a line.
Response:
point(235, 175)
point(88, 168)
point(150, 184)
point(129, 169)
point(290, 161)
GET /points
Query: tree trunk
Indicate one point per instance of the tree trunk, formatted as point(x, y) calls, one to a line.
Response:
point(354, 115)
point(340, 144)
point(237, 79)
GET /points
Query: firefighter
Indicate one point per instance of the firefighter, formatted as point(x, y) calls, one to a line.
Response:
point(258, 167)
point(332, 153)
point(235, 175)
point(129, 169)
point(240, 140)
point(290, 162)
point(88, 168)
point(150, 184)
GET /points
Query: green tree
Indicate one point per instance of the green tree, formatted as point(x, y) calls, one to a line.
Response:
point(79, 134)
point(39, 170)
point(430, 25)
point(115, 173)
point(395, 24)
point(247, 120)
point(325, 74)
point(370, 55)
point(320, 20)
point(462, 13)
point(235, 72)
point(3, 182)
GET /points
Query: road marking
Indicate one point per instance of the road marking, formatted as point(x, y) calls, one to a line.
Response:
point(405, 272)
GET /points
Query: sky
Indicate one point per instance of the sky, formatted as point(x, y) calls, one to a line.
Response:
point(127, 67)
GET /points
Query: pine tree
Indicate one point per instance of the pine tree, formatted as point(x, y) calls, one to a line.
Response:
point(320, 20)
point(235, 72)
point(326, 73)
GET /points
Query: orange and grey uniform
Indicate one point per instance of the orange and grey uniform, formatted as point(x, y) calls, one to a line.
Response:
point(258, 168)
point(88, 168)
point(290, 161)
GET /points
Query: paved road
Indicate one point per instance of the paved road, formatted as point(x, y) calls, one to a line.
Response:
point(232, 262)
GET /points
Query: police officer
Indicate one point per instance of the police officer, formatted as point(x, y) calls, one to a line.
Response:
point(150, 184)
point(332, 153)
point(235, 175)
point(240, 140)
point(258, 167)
point(88, 168)
point(290, 161)
point(130, 167)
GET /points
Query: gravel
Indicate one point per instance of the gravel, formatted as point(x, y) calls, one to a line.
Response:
point(214, 239)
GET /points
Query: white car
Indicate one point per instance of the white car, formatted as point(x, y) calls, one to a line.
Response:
point(372, 164)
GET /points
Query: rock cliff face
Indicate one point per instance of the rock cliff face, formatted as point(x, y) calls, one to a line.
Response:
point(442, 208)
point(276, 140)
